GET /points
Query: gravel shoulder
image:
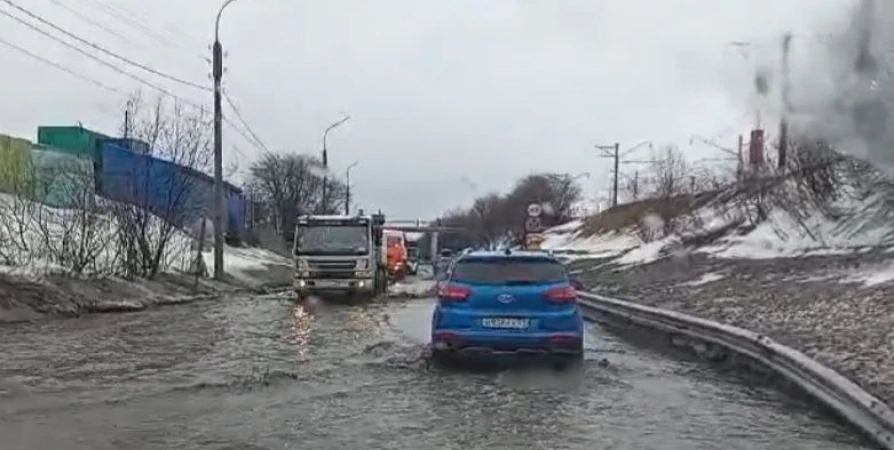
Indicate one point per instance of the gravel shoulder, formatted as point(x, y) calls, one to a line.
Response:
point(28, 298)
point(820, 305)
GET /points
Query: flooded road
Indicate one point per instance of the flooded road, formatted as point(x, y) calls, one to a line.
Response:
point(262, 373)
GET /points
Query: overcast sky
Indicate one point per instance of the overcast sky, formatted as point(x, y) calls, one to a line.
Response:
point(449, 98)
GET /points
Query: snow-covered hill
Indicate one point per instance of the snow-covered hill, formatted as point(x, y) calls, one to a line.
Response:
point(860, 218)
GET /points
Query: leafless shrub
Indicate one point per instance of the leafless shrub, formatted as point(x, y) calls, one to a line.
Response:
point(17, 212)
point(78, 235)
point(670, 172)
point(178, 134)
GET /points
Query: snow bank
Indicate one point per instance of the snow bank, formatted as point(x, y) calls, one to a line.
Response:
point(862, 223)
point(245, 263)
point(859, 223)
point(37, 240)
point(567, 238)
point(872, 276)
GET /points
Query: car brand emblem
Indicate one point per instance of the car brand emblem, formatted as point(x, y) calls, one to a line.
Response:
point(505, 298)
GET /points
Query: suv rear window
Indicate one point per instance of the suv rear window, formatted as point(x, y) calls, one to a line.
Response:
point(515, 270)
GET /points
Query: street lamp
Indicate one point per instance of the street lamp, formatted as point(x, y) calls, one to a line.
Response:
point(348, 188)
point(217, 74)
point(331, 127)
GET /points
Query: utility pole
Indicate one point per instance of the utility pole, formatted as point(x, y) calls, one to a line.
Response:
point(614, 152)
point(217, 74)
point(786, 104)
point(636, 185)
point(325, 196)
point(348, 188)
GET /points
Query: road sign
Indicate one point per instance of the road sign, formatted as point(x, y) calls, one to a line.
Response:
point(533, 225)
point(534, 210)
point(533, 241)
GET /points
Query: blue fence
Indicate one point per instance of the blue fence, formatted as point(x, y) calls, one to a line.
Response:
point(175, 193)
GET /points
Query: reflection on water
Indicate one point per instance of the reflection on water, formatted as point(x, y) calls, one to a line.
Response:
point(298, 329)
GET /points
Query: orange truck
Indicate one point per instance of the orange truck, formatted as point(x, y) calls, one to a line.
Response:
point(395, 253)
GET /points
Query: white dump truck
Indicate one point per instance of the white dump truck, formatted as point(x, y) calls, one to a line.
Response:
point(339, 255)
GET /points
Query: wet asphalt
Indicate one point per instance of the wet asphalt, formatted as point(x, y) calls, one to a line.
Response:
point(264, 373)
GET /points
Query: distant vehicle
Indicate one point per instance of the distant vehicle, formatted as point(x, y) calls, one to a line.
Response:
point(339, 255)
point(495, 303)
point(396, 253)
point(412, 262)
point(445, 256)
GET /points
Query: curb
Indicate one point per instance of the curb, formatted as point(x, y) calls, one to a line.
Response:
point(842, 395)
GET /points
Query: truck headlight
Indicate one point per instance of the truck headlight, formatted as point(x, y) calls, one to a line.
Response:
point(363, 274)
point(363, 264)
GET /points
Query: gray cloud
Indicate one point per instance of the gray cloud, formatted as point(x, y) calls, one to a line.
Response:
point(438, 90)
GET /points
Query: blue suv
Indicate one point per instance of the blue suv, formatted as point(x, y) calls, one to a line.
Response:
point(494, 303)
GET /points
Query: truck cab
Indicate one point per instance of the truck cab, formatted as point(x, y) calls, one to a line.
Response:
point(339, 255)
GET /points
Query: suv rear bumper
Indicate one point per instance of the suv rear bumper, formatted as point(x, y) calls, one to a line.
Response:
point(484, 343)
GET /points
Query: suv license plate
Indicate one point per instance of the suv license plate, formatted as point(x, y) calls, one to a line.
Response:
point(504, 322)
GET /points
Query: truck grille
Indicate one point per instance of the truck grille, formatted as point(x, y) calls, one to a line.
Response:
point(318, 264)
point(332, 274)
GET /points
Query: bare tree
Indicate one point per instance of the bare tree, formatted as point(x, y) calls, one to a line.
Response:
point(495, 219)
point(170, 197)
point(485, 219)
point(288, 185)
point(670, 173)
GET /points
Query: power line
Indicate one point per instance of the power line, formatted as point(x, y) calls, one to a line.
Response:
point(95, 58)
point(244, 136)
point(121, 14)
point(113, 67)
point(87, 19)
point(103, 49)
point(121, 71)
point(244, 123)
point(59, 66)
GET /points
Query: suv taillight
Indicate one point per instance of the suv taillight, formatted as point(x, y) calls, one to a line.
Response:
point(561, 294)
point(453, 293)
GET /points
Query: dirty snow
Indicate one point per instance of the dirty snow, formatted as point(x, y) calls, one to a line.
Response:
point(782, 236)
point(872, 276)
point(705, 279)
point(567, 239)
point(647, 252)
point(862, 223)
point(32, 236)
point(240, 262)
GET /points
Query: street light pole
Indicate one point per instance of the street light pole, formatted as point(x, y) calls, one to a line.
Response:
point(348, 188)
point(326, 157)
point(217, 74)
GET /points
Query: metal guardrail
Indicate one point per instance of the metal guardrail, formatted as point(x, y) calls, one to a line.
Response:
point(857, 406)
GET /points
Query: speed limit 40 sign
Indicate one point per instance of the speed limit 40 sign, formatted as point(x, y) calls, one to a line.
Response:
point(534, 210)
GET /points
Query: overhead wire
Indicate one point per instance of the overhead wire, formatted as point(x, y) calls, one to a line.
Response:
point(253, 139)
point(59, 66)
point(244, 123)
point(87, 19)
point(103, 49)
point(117, 14)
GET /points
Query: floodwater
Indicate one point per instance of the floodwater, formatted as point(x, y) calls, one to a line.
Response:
point(264, 373)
